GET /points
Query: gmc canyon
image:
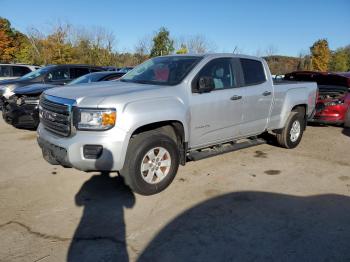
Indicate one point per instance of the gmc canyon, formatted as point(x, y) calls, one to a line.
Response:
point(168, 110)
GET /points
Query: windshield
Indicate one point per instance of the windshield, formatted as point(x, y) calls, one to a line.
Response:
point(35, 74)
point(166, 70)
point(93, 77)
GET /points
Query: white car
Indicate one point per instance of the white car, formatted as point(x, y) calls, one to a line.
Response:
point(12, 71)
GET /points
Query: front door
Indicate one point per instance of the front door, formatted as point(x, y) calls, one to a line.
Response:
point(216, 116)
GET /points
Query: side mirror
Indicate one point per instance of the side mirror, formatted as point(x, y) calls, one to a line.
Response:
point(204, 84)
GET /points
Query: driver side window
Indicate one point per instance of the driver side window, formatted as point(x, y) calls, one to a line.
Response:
point(220, 70)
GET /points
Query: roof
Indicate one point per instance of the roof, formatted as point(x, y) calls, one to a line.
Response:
point(216, 55)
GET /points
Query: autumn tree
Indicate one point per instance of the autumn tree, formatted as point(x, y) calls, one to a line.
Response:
point(320, 55)
point(182, 50)
point(11, 41)
point(162, 43)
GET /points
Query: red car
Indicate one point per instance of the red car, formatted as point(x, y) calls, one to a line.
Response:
point(333, 102)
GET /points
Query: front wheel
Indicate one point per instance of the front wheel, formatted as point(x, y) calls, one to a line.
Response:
point(290, 136)
point(151, 163)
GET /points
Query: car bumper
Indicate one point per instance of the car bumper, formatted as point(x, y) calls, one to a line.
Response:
point(69, 151)
point(330, 115)
point(326, 121)
point(26, 116)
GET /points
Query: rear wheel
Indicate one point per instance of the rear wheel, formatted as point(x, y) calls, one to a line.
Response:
point(151, 162)
point(290, 136)
point(347, 119)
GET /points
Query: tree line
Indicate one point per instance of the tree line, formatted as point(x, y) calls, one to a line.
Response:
point(65, 44)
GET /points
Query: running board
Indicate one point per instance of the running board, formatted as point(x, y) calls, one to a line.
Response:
point(225, 148)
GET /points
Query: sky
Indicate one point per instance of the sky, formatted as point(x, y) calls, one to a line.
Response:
point(289, 26)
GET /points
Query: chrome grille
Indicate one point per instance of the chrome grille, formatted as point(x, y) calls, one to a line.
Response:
point(55, 117)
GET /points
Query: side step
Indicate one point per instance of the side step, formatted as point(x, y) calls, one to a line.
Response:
point(225, 148)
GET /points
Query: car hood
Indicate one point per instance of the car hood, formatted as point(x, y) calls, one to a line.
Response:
point(12, 84)
point(33, 89)
point(91, 95)
point(9, 82)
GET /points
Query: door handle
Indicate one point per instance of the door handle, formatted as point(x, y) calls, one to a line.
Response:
point(236, 97)
point(266, 93)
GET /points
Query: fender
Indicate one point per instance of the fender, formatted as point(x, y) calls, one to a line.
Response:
point(293, 97)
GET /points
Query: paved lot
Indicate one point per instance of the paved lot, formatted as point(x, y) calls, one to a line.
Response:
point(259, 204)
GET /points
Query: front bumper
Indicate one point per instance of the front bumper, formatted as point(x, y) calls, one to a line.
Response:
point(326, 121)
point(26, 116)
point(330, 114)
point(68, 151)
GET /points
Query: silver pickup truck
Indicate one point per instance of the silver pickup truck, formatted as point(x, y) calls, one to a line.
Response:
point(167, 111)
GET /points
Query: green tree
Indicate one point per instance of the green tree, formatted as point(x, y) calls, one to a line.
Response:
point(162, 44)
point(183, 49)
point(340, 60)
point(320, 55)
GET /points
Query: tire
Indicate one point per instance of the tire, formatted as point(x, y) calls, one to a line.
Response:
point(347, 119)
point(137, 171)
point(290, 136)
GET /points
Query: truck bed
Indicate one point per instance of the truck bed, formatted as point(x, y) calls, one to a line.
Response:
point(287, 82)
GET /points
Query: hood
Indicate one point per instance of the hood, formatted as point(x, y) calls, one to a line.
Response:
point(94, 93)
point(9, 82)
point(18, 81)
point(12, 84)
point(33, 89)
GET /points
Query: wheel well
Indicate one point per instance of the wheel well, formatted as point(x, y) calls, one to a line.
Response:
point(173, 129)
point(301, 109)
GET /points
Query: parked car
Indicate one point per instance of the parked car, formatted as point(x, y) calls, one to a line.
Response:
point(21, 109)
point(333, 101)
point(53, 74)
point(13, 71)
point(168, 110)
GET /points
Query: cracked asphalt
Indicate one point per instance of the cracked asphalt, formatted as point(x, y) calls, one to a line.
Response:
point(259, 204)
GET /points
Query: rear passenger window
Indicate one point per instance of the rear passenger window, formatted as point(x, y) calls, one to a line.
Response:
point(253, 71)
point(77, 72)
point(20, 70)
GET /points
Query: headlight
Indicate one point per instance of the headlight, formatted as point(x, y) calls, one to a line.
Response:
point(8, 91)
point(19, 101)
point(96, 119)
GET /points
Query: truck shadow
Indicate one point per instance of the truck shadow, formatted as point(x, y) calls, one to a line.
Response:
point(257, 226)
point(100, 235)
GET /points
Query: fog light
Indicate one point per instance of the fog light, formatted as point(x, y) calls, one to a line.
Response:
point(92, 151)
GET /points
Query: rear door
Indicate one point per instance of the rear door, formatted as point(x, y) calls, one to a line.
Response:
point(257, 97)
point(216, 116)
